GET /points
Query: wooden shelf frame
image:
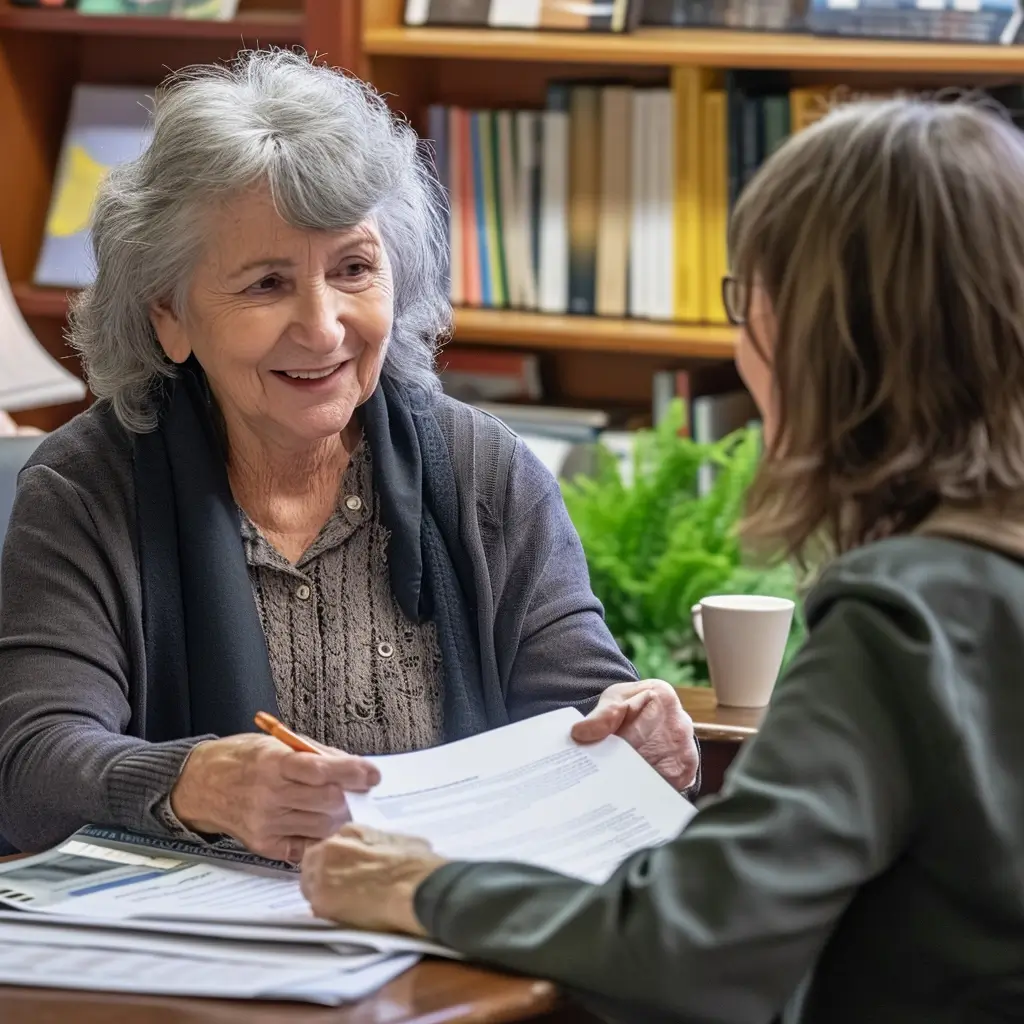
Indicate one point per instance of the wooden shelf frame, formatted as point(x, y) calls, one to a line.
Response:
point(249, 28)
point(504, 328)
point(34, 300)
point(709, 48)
point(594, 334)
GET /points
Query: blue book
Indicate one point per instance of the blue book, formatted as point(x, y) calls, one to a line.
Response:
point(991, 21)
point(480, 195)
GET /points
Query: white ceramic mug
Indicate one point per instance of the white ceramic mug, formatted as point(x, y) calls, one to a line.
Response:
point(745, 638)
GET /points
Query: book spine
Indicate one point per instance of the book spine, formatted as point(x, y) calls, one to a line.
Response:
point(990, 21)
point(663, 158)
point(640, 203)
point(480, 205)
point(456, 219)
point(584, 174)
point(688, 85)
point(715, 204)
point(527, 147)
point(613, 219)
point(510, 222)
point(470, 244)
point(492, 209)
point(554, 221)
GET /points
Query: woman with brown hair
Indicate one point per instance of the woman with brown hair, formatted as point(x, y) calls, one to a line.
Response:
point(863, 862)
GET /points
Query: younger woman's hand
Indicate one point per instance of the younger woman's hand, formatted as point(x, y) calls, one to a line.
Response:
point(362, 878)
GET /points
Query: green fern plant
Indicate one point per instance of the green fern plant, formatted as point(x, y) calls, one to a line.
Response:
point(655, 548)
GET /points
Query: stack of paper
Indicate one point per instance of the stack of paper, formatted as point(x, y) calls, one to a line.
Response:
point(95, 916)
point(115, 912)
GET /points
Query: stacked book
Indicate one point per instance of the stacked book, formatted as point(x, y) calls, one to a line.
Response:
point(611, 201)
point(982, 21)
point(614, 199)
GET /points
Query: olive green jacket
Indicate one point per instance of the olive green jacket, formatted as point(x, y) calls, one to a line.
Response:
point(864, 863)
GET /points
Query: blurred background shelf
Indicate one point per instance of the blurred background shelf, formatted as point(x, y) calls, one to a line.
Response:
point(583, 361)
point(247, 28)
point(696, 47)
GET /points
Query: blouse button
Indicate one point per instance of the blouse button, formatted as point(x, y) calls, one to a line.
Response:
point(353, 503)
point(385, 650)
point(302, 592)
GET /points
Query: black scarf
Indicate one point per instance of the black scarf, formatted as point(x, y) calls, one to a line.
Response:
point(207, 670)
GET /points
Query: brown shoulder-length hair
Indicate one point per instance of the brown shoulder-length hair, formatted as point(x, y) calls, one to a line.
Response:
point(889, 238)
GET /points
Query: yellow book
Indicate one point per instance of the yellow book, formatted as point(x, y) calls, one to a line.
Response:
point(492, 225)
point(808, 105)
point(715, 191)
point(688, 87)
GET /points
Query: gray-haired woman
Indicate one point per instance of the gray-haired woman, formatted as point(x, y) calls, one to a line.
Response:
point(273, 506)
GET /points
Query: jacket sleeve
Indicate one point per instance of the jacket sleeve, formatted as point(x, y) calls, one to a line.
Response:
point(724, 921)
point(65, 760)
point(565, 654)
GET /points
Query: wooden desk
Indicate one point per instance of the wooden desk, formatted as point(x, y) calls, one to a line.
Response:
point(713, 722)
point(434, 992)
point(720, 731)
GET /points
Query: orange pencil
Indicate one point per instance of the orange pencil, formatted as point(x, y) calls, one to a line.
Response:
point(269, 724)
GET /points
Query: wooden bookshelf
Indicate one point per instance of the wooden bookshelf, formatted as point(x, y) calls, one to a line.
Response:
point(696, 47)
point(44, 51)
point(248, 28)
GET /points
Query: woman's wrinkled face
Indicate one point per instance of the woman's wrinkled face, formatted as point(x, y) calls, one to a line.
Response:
point(754, 349)
point(291, 326)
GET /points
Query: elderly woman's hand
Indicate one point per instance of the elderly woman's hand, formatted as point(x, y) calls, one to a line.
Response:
point(649, 717)
point(273, 799)
point(367, 879)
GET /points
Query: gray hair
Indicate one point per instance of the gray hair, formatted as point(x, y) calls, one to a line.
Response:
point(332, 155)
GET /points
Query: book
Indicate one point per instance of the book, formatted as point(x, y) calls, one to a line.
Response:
point(553, 248)
point(447, 12)
point(584, 194)
point(715, 203)
point(108, 125)
point(579, 16)
point(977, 21)
point(613, 214)
point(767, 15)
point(474, 375)
point(689, 86)
point(212, 10)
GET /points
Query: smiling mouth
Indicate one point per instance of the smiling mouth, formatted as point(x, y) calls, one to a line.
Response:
point(309, 375)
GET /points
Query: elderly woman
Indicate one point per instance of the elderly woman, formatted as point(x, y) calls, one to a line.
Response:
point(863, 863)
point(272, 506)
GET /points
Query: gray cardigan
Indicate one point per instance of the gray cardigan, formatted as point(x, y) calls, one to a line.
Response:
point(73, 632)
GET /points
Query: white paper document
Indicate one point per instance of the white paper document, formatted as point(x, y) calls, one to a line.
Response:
point(29, 377)
point(59, 956)
point(349, 942)
point(527, 792)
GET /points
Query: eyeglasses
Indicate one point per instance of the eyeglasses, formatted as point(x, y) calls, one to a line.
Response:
point(735, 299)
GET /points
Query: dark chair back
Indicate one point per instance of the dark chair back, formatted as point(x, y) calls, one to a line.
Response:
point(14, 453)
